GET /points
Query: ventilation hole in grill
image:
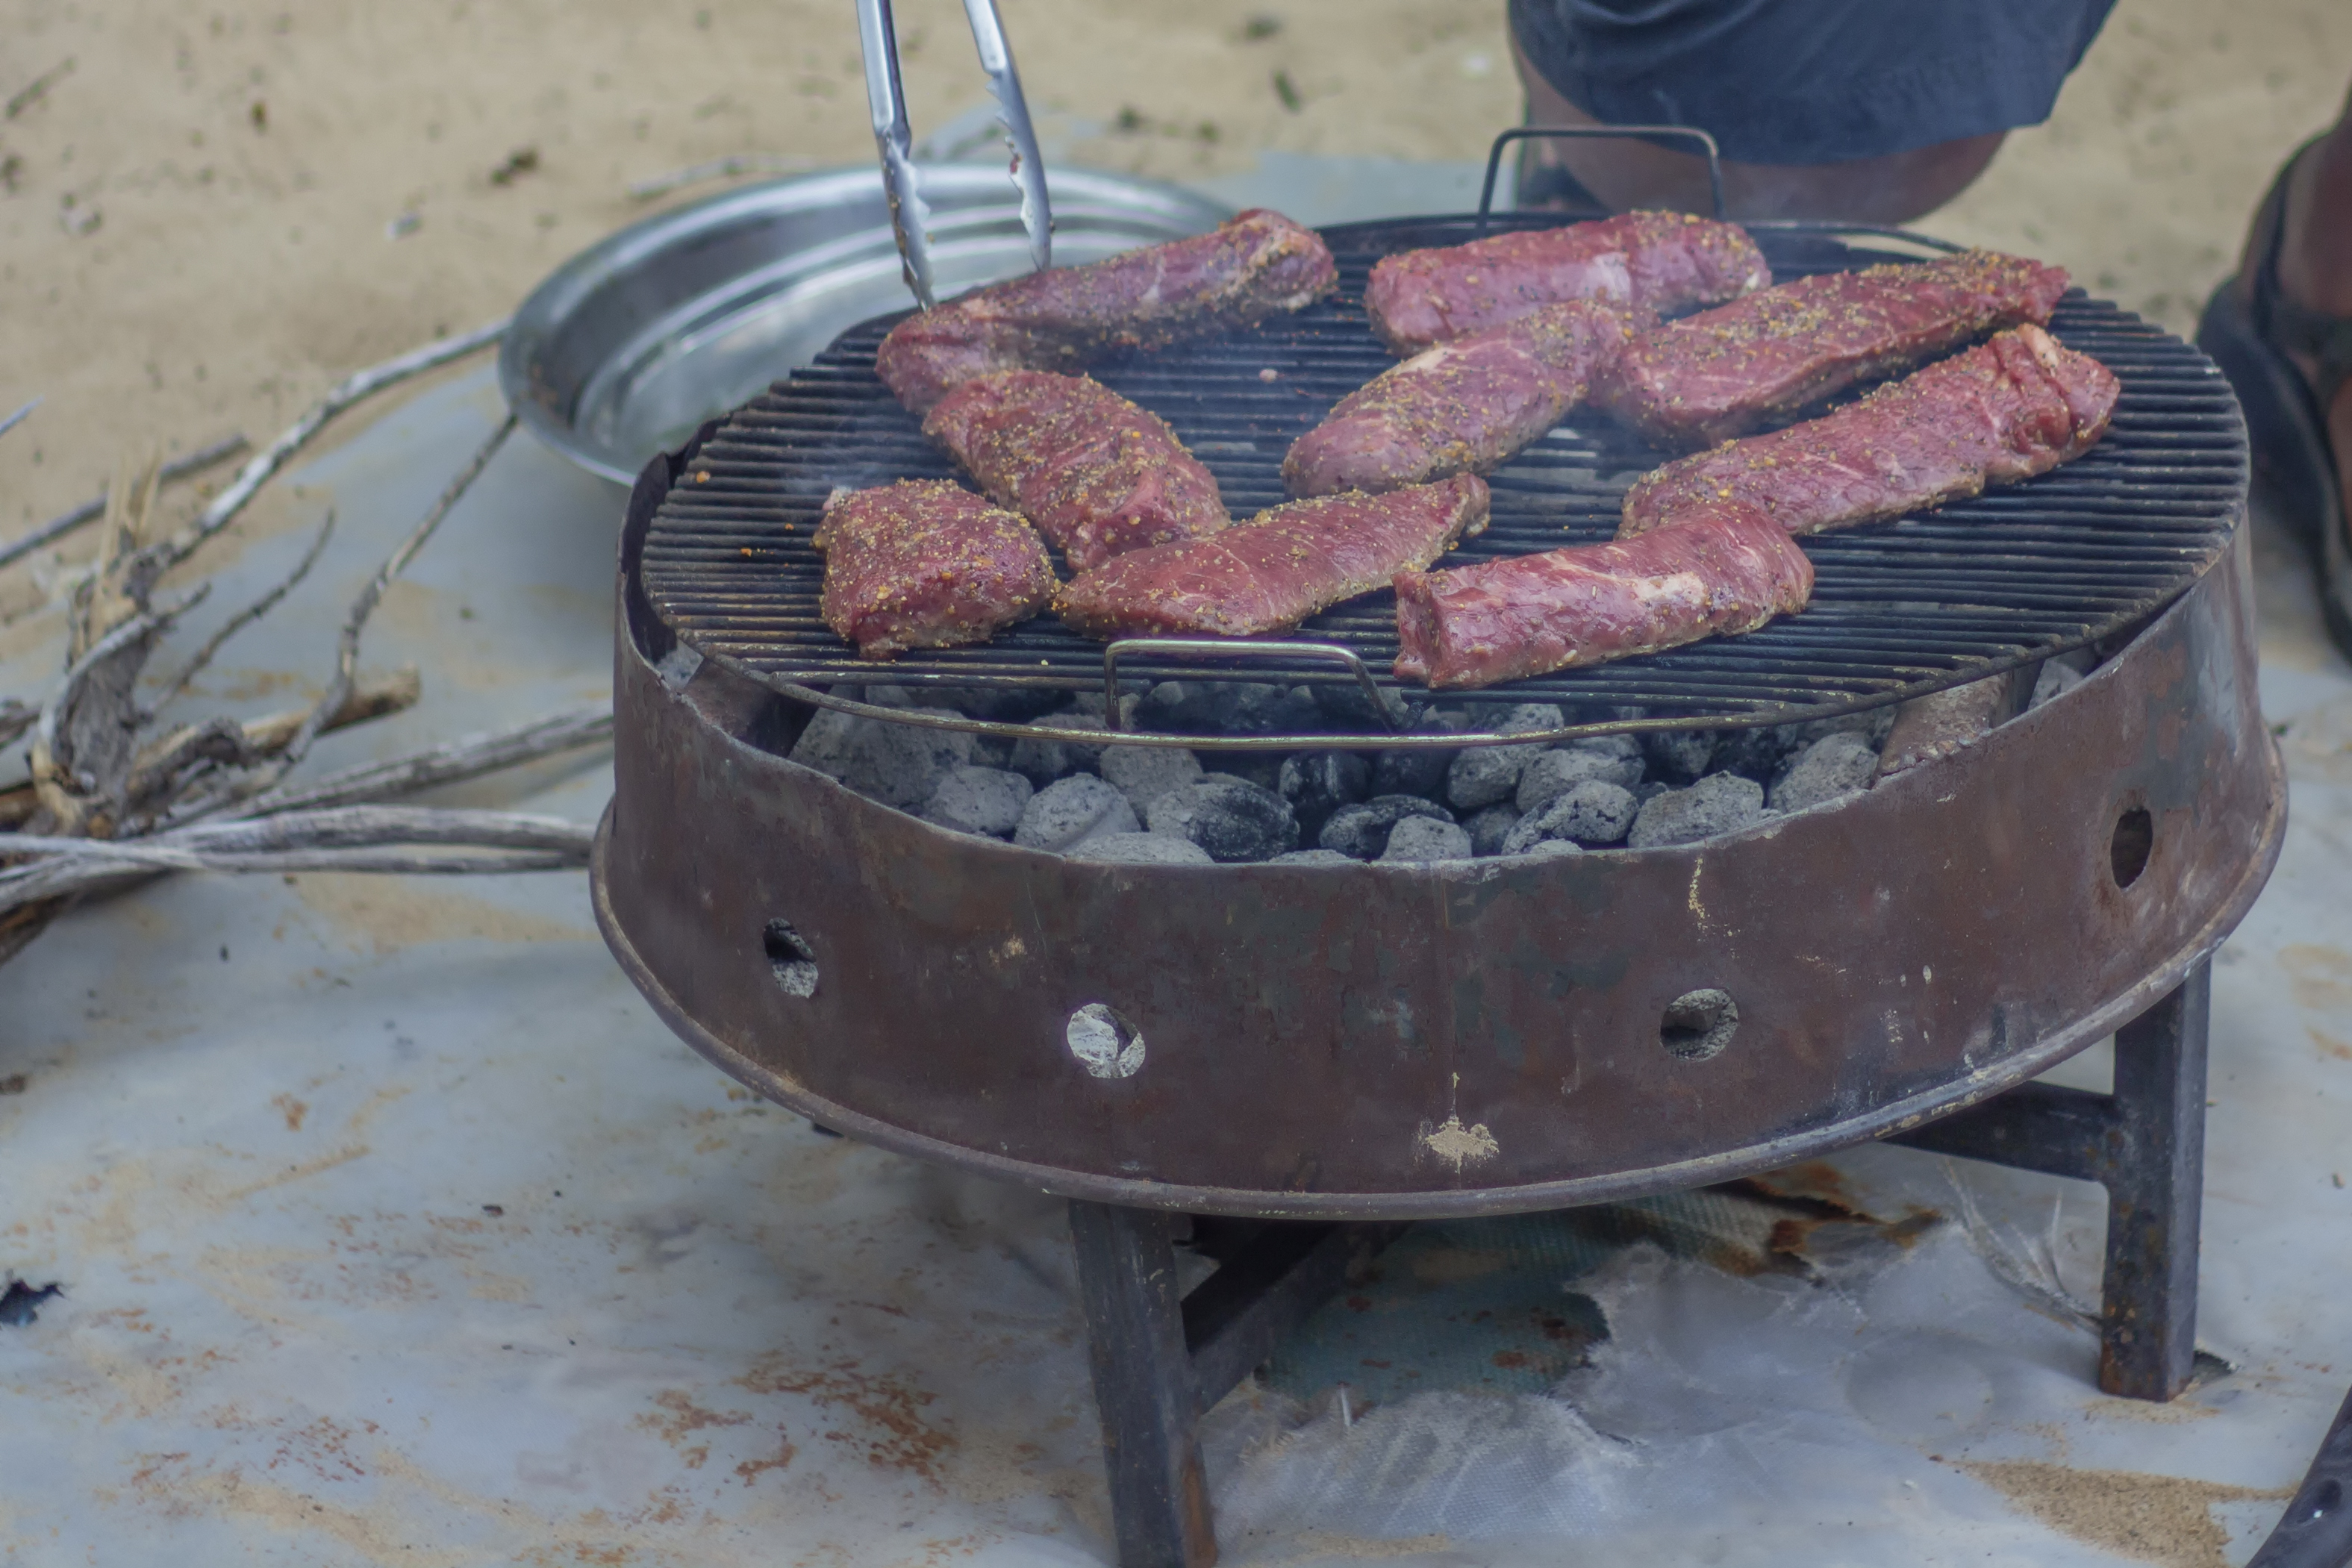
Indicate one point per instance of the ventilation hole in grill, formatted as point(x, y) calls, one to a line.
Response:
point(791, 956)
point(1106, 1044)
point(1699, 1024)
point(2323, 1501)
point(2128, 851)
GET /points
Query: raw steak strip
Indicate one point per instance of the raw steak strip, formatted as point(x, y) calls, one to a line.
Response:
point(1667, 261)
point(1275, 571)
point(1246, 269)
point(1697, 381)
point(1725, 571)
point(1094, 473)
point(925, 563)
point(1463, 406)
point(2006, 410)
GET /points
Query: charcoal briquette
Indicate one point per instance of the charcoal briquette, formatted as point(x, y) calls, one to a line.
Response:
point(1076, 809)
point(1318, 783)
point(1230, 818)
point(979, 800)
point(1361, 831)
point(1718, 803)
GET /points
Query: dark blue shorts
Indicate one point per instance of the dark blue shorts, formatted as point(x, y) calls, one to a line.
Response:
point(1810, 81)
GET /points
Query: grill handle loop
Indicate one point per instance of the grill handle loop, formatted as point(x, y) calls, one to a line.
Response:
point(1574, 132)
point(885, 98)
point(1224, 648)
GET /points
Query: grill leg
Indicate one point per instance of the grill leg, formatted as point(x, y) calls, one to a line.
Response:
point(2149, 1345)
point(1143, 1386)
point(2146, 1144)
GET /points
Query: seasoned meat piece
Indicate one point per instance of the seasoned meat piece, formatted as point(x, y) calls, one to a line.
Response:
point(1096, 474)
point(1239, 272)
point(1667, 261)
point(1695, 381)
point(1272, 572)
point(1463, 406)
point(925, 563)
point(2006, 410)
point(1726, 570)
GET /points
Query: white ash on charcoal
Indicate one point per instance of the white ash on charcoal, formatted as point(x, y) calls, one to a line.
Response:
point(1551, 847)
point(1318, 783)
point(896, 763)
point(1485, 775)
point(985, 801)
point(1611, 759)
point(1234, 819)
point(1145, 773)
point(1361, 831)
point(1593, 813)
point(1140, 849)
point(1071, 810)
point(1041, 760)
point(1831, 766)
point(1718, 803)
point(1313, 857)
point(1426, 839)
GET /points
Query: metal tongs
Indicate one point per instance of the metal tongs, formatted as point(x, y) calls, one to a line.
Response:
point(909, 218)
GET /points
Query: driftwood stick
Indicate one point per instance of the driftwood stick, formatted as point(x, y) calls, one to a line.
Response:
point(353, 388)
point(351, 838)
point(16, 718)
point(347, 657)
point(334, 827)
point(467, 758)
point(246, 617)
point(89, 511)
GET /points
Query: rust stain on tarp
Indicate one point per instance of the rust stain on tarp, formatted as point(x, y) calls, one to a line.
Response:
point(387, 913)
point(897, 1436)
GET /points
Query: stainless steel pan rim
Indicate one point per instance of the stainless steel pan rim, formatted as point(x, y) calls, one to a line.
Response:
point(629, 345)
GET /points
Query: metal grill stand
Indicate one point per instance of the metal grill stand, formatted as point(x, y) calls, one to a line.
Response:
point(1160, 1358)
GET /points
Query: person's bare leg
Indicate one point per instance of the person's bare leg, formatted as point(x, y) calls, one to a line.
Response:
point(2314, 262)
point(1632, 174)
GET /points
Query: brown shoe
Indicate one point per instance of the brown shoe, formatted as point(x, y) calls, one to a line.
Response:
point(2255, 333)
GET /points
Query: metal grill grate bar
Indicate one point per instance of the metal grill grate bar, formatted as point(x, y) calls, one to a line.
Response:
point(1899, 609)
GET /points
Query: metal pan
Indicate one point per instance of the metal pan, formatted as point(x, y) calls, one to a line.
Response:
point(637, 340)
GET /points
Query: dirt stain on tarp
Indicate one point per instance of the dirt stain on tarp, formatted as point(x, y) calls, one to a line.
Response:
point(388, 914)
point(897, 1437)
point(2320, 977)
point(2165, 1519)
point(680, 1416)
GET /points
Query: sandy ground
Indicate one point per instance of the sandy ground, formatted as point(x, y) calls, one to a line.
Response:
point(211, 211)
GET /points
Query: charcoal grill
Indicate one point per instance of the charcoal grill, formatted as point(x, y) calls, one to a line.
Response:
point(1310, 1055)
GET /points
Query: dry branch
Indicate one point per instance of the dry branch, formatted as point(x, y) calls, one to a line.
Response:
point(352, 389)
point(89, 511)
point(114, 802)
point(347, 837)
point(347, 655)
point(452, 763)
